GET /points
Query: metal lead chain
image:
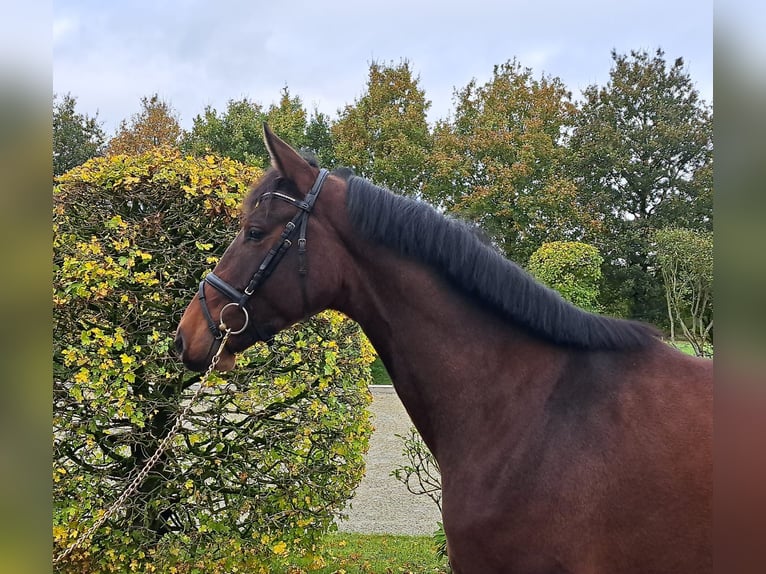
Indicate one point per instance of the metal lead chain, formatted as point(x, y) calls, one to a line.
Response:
point(152, 460)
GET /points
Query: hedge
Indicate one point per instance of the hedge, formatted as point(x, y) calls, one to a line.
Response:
point(268, 458)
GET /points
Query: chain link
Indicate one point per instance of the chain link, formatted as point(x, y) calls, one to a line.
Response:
point(152, 459)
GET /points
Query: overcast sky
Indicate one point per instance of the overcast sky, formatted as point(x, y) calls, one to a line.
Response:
point(194, 53)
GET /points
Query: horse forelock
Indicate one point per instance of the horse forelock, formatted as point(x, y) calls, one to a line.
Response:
point(268, 182)
point(463, 255)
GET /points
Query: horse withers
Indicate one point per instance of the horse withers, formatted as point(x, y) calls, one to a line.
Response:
point(567, 441)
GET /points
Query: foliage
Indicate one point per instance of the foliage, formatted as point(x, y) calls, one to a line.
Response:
point(319, 139)
point(685, 347)
point(133, 235)
point(440, 538)
point(76, 137)
point(571, 268)
point(156, 125)
point(685, 261)
point(642, 152)
point(421, 476)
point(288, 119)
point(384, 135)
point(237, 133)
point(268, 457)
point(500, 161)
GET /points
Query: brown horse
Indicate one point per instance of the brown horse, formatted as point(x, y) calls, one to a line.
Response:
point(567, 441)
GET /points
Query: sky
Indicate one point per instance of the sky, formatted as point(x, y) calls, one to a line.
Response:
point(193, 53)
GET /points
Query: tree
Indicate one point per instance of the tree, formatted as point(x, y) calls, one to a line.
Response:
point(500, 161)
point(288, 119)
point(642, 153)
point(384, 135)
point(685, 261)
point(76, 137)
point(265, 460)
point(571, 268)
point(154, 126)
point(236, 134)
point(319, 139)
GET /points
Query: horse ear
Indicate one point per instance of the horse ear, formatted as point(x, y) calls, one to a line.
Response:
point(289, 162)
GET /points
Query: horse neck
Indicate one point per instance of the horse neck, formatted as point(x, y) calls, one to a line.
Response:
point(462, 373)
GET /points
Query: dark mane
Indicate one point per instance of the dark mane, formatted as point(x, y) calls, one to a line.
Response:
point(417, 231)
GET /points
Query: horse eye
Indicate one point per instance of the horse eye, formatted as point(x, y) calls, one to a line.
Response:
point(255, 234)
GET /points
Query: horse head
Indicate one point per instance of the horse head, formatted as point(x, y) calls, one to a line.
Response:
point(282, 266)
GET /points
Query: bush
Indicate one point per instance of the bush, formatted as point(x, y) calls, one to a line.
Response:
point(422, 476)
point(571, 268)
point(267, 458)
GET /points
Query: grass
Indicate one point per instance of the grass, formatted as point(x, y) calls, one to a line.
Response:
point(379, 373)
point(380, 554)
point(683, 346)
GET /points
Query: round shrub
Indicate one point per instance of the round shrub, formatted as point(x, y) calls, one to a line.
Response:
point(571, 268)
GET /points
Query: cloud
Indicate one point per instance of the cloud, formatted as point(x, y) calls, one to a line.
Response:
point(539, 58)
point(63, 27)
point(108, 55)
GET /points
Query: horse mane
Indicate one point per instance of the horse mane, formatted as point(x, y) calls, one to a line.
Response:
point(457, 252)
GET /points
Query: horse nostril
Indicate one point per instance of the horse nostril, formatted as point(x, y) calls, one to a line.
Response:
point(178, 343)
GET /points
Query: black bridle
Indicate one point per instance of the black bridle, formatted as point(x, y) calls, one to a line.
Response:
point(239, 298)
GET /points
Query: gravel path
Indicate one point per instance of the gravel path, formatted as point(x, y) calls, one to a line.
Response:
point(382, 504)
